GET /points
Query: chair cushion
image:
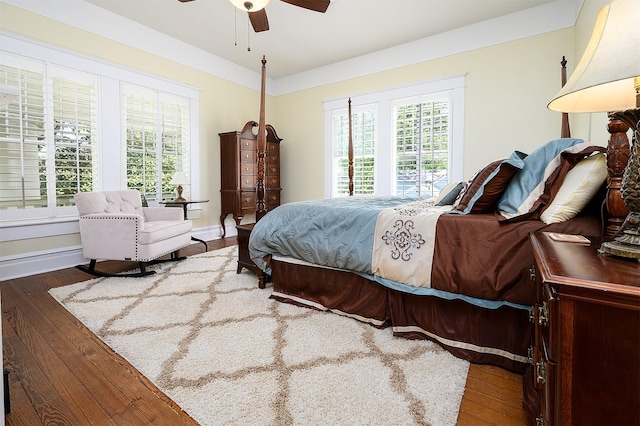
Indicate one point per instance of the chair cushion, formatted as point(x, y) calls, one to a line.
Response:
point(160, 230)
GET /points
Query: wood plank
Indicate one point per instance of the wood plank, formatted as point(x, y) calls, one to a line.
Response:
point(48, 405)
point(128, 391)
point(492, 395)
point(71, 391)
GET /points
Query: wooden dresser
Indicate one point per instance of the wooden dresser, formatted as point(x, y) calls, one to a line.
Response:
point(586, 350)
point(238, 168)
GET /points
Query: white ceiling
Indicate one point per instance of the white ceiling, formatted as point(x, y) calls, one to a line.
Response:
point(300, 40)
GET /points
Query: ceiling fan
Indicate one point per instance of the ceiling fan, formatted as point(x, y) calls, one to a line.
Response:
point(258, 16)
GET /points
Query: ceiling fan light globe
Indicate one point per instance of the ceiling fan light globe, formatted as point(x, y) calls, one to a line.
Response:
point(250, 6)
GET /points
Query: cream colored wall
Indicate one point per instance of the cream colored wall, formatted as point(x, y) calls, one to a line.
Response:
point(507, 89)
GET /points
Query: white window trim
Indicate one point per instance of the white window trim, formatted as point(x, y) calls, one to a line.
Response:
point(384, 99)
point(110, 76)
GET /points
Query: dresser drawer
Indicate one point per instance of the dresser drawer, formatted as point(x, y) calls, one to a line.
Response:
point(248, 156)
point(247, 145)
point(248, 169)
point(273, 182)
point(248, 201)
point(272, 199)
point(273, 153)
point(247, 183)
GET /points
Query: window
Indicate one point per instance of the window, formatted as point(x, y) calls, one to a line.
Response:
point(407, 140)
point(157, 140)
point(48, 138)
point(83, 124)
point(364, 137)
point(421, 130)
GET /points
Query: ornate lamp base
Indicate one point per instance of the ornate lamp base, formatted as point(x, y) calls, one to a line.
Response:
point(628, 243)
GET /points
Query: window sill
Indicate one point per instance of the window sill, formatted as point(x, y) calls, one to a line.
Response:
point(28, 229)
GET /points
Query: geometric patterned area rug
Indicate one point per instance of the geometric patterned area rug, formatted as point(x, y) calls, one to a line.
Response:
point(215, 343)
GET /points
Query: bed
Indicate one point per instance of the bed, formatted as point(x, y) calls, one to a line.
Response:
point(455, 269)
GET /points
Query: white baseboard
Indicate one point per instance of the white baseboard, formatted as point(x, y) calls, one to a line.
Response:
point(38, 262)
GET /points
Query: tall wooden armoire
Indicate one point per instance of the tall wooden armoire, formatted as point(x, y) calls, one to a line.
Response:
point(239, 170)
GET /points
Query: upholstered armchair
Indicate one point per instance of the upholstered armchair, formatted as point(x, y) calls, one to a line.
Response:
point(115, 226)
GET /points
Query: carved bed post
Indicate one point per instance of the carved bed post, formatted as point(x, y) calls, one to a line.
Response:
point(350, 151)
point(262, 146)
point(565, 132)
point(618, 153)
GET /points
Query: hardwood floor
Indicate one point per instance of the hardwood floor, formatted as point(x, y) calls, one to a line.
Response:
point(60, 373)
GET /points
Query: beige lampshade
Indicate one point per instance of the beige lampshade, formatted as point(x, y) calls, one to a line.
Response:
point(179, 178)
point(603, 80)
point(250, 6)
point(8, 94)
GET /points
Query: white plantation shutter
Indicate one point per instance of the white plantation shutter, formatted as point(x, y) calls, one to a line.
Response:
point(421, 129)
point(47, 137)
point(75, 135)
point(156, 127)
point(364, 145)
point(22, 139)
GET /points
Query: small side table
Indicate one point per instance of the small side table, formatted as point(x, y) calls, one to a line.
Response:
point(244, 261)
point(184, 204)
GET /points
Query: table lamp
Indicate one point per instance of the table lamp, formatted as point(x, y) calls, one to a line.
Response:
point(607, 79)
point(179, 178)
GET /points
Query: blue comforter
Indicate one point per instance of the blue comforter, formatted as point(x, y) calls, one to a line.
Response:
point(339, 237)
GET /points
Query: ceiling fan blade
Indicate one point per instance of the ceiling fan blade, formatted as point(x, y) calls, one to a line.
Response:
point(259, 20)
point(184, 1)
point(315, 5)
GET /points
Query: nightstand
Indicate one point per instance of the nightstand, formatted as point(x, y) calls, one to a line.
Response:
point(586, 350)
point(244, 261)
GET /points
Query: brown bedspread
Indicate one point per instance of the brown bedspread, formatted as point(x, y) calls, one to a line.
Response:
point(478, 256)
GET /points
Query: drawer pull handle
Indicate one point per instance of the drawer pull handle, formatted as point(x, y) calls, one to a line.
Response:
point(530, 354)
point(541, 373)
point(532, 273)
point(540, 421)
point(532, 315)
point(543, 314)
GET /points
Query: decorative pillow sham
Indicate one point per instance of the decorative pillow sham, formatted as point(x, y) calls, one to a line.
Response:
point(485, 188)
point(580, 184)
point(449, 194)
point(535, 186)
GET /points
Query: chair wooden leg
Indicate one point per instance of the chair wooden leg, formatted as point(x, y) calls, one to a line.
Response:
point(92, 271)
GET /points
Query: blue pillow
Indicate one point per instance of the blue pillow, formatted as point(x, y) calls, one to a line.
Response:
point(528, 184)
point(451, 196)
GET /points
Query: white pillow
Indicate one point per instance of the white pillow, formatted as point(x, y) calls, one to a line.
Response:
point(578, 188)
